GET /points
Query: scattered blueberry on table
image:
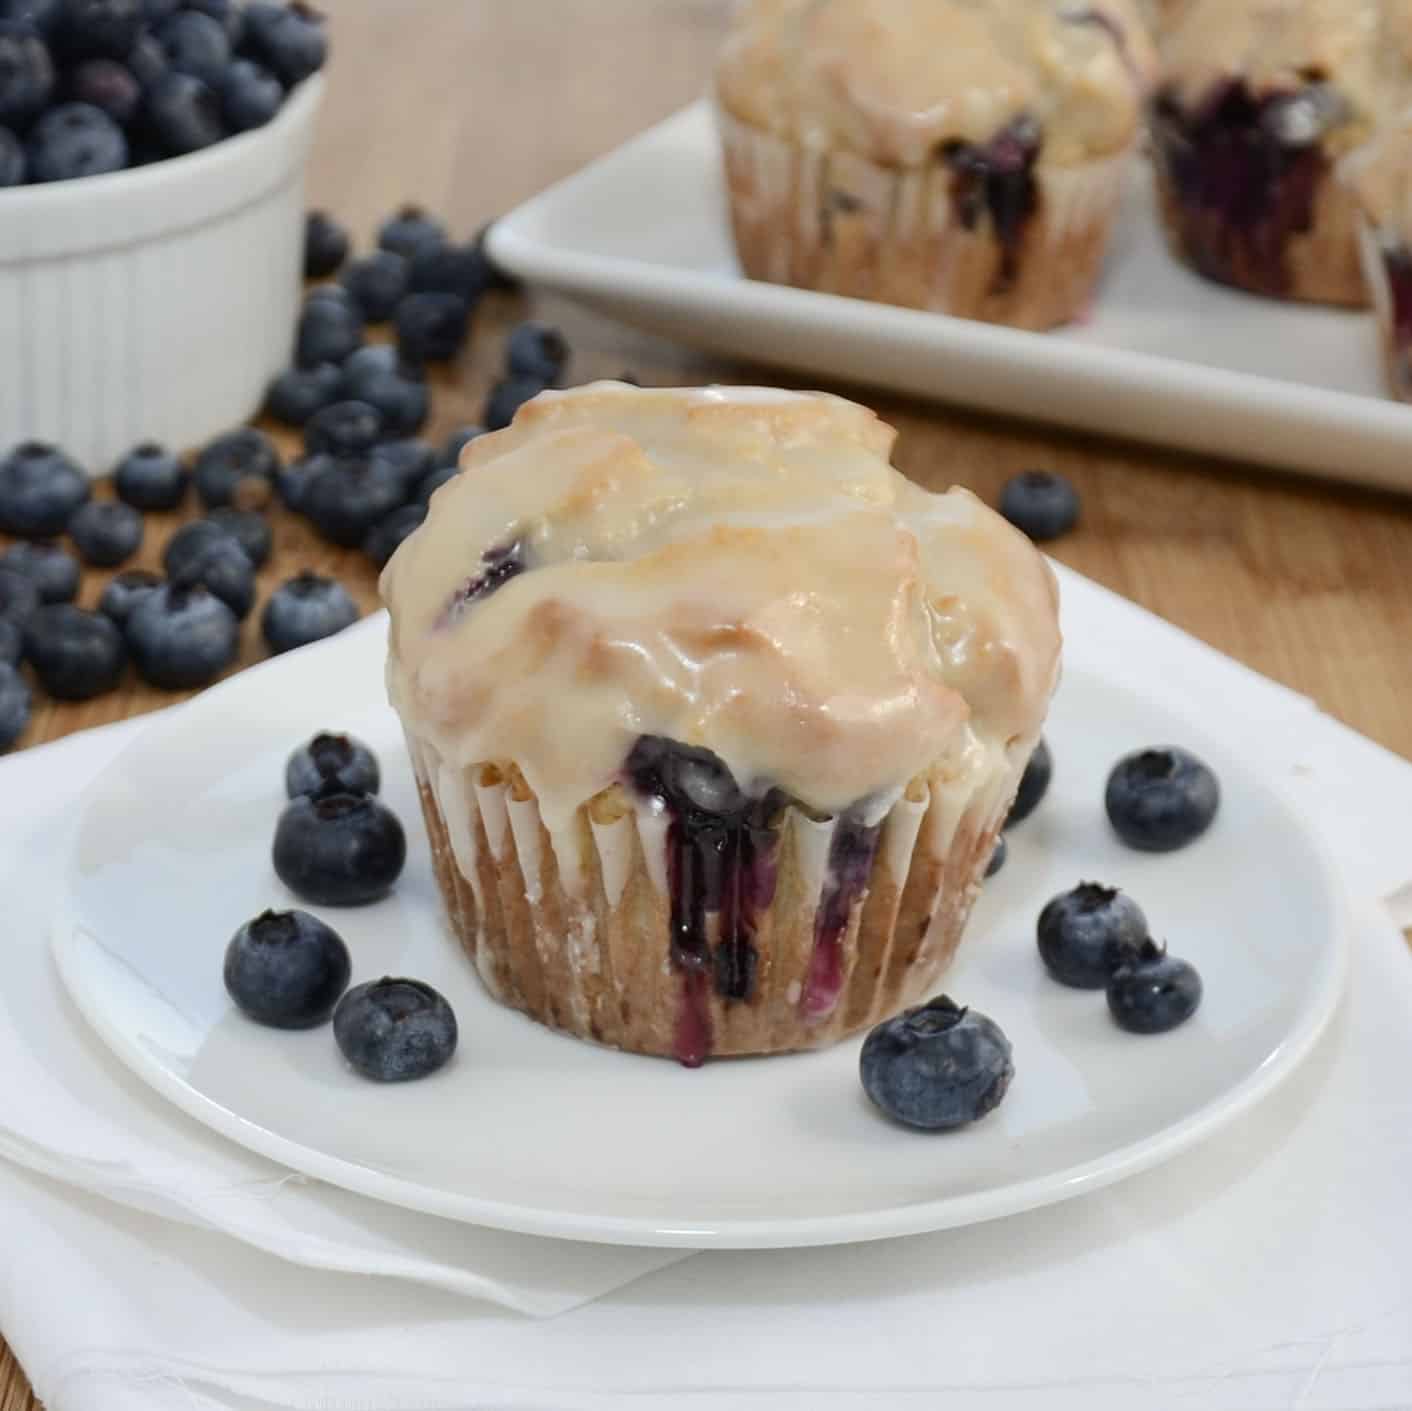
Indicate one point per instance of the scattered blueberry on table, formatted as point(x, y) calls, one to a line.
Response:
point(181, 636)
point(75, 654)
point(308, 608)
point(54, 571)
point(409, 231)
point(432, 326)
point(287, 969)
point(378, 282)
point(298, 392)
point(330, 327)
point(386, 536)
point(345, 428)
point(331, 762)
point(150, 477)
point(19, 594)
point(1086, 934)
point(40, 488)
point(937, 1066)
point(203, 554)
point(11, 642)
point(396, 390)
point(326, 245)
point(346, 500)
point(1034, 784)
point(1153, 992)
point(507, 397)
point(1159, 800)
point(395, 1030)
point(250, 529)
point(339, 849)
point(1040, 503)
point(537, 350)
point(106, 532)
point(125, 590)
point(237, 468)
point(410, 458)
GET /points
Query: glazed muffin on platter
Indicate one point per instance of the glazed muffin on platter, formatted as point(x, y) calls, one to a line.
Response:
point(962, 156)
point(1259, 100)
point(715, 716)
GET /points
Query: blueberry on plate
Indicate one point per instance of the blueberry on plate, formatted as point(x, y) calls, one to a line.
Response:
point(26, 73)
point(40, 488)
point(339, 849)
point(53, 570)
point(107, 85)
point(457, 442)
point(377, 283)
point(298, 392)
point(15, 705)
point(331, 763)
point(181, 636)
point(432, 327)
point(325, 245)
point(449, 269)
point(507, 397)
point(1159, 800)
point(936, 1066)
point(1153, 992)
point(396, 390)
point(1040, 503)
point(248, 528)
point(12, 159)
point(106, 532)
point(250, 95)
point(290, 39)
point(105, 28)
point(124, 591)
point(12, 641)
point(434, 480)
point(75, 654)
point(537, 350)
point(306, 609)
point(998, 854)
point(343, 429)
point(346, 499)
point(385, 537)
point(195, 44)
point(409, 231)
point(1086, 934)
point(237, 468)
point(183, 114)
point(330, 328)
point(150, 477)
point(292, 480)
point(1034, 784)
point(19, 595)
point(287, 969)
point(395, 1030)
point(410, 458)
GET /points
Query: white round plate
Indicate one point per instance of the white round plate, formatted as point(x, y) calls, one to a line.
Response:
point(528, 1130)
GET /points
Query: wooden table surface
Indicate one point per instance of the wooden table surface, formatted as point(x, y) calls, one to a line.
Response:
point(469, 106)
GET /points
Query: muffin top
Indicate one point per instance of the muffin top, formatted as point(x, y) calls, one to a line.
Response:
point(894, 80)
point(735, 569)
point(1352, 58)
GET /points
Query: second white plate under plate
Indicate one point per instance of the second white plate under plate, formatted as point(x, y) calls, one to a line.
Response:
point(1165, 357)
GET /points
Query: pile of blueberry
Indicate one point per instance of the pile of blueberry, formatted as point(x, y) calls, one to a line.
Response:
point(337, 844)
point(94, 86)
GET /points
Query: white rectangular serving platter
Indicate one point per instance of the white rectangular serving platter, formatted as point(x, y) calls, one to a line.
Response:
point(1165, 356)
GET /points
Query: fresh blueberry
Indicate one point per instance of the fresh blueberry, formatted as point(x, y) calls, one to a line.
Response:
point(409, 231)
point(1034, 784)
point(11, 642)
point(19, 595)
point(537, 350)
point(41, 15)
point(147, 61)
point(250, 95)
point(384, 538)
point(75, 140)
point(936, 1066)
point(223, 568)
point(325, 245)
point(150, 477)
point(1040, 503)
point(12, 159)
point(124, 591)
point(183, 114)
point(181, 636)
point(457, 442)
point(52, 570)
point(410, 458)
point(346, 499)
point(155, 11)
point(298, 392)
point(26, 74)
point(290, 39)
point(330, 328)
point(1161, 799)
point(432, 327)
point(106, 84)
point(339, 849)
point(343, 429)
point(15, 705)
point(395, 1030)
point(104, 29)
point(306, 609)
point(75, 654)
point(1086, 934)
point(998, 854)
point(499, 278)
point(434, 480)
point(331, 763)
point(40, 488)
point(397, 391)
point(378, 282)
point(449, 269)
point(189, 544)
point(249, 529)
point(230, 14)
point(287, 969)
point(195, 44)
point(106, 532)
point(292, 481)
point(507, 397)
point(237, 469)
point(1154, 992)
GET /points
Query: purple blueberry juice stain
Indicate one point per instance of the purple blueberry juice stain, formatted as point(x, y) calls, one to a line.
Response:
point(500, 563)
point(850, 863)
point(996, 178)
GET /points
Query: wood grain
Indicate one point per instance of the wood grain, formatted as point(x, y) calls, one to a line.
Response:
point(470, 107)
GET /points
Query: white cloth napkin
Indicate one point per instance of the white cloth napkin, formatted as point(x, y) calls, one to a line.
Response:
point(1270, 1268)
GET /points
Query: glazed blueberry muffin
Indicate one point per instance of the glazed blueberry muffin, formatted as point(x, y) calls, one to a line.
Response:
point(715, 716)
point(963, 156)
point(1259, 99)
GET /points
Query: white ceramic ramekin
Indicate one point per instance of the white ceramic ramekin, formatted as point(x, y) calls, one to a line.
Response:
point(153, 304)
